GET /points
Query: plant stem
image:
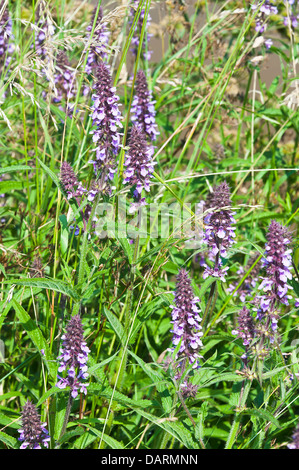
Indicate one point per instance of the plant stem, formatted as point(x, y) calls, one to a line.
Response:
point(67, 415)
point(235, 426)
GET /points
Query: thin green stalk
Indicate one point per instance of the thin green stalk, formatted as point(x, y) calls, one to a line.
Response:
point(238, 416)
point(83, 253)
point(67, 415)
point(232, 294)
point(126, 127)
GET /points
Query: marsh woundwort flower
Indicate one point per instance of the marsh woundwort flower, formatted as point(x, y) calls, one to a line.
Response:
point(106, 118)
point(277, 261)
point(219, 232)
point(292, 19)
point(245, 330)
point(98, 48)
point(33, 433)
point(266, 9)
point(143, 109)
point(295, 443)
point(70, 183)
point(46, 29)
point(138, 166)
point(186, 324)
point(6, 45)
point(73, 358)
point(138, 28)
point(64, 80)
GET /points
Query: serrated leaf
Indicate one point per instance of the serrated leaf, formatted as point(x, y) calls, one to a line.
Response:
point(8, 440)
point(35, 335)
point(229, 377)
point(173, 427)
point(158, 381)
point(11, 169)
point(52, 391)
point(46, 283)
point(107, 392)
point(116, 325)
point(110, 441)
point(263, 414)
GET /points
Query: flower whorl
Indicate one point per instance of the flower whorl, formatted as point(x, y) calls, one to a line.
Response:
point(143, 110)
point(33, 433)
point(70, 182)
point(139, 165)
point(73, 358)
point(219, 231)
point(136, 36)
point(245, 329)
point(98, 48)
point(277, 260)
point(6, 46)
point(64, 80)
point(186, 321)
point(107, 119)
point(295, 443)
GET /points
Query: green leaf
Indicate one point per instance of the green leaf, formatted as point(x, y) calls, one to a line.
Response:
point(6, 304)
point(263, 414)
point(7, 186)
point(92, 370)
point(229, 377)
point(107, 392)
point(9, 440)
point(35, 335)
point(110, 441)
point(172, 426)
point(116, 325)
point(11, 169)
point(64, 234)
point(52, 391)
point(52, 175)
point(46, 283)
point(270, 373)
point(158, 381)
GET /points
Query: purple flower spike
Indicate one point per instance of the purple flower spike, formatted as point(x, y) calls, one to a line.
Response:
point(42, 37)
point(6, 46)
point(33, 433)
point(98, 48)
point(186, 324)
point(143, 110)
point(139, 165)
point(64, 81)
point(136, 36)
point(107, 119)
point(266, 9)
point(70, 182)
point(245, 329)
point(73, 358)
point(277, 261)
point(295, 436)
point(292, 20)
point(219, 232)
